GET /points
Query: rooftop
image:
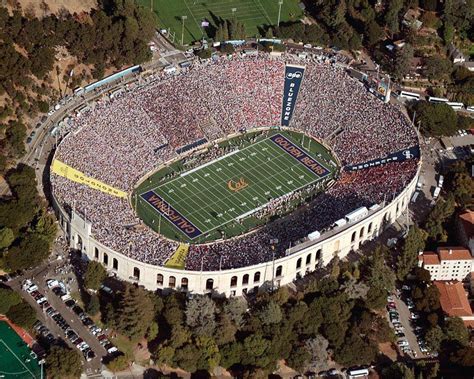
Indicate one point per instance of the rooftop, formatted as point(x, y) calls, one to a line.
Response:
point(454, 254)
point(453, 298)
point(467, 222)
point(429, 258)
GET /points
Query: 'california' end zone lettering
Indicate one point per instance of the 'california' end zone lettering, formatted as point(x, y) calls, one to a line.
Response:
point(300, 155)
point(171, 214)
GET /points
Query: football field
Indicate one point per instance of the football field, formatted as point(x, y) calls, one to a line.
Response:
point(230, 188)
point(16, 359)
point(252, 13)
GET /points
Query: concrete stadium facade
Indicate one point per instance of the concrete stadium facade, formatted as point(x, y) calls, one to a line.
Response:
point(299, 260)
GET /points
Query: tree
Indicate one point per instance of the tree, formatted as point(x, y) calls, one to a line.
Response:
point(270, 313)
point(436, 119)
point(6, 237)
point(380, 279)
point(93, 306)
point(95, 275)
point(318, 349)
point(434, 336)
point(374, 33)
point(119, 363)
point(356, 350)
point(63, 362)
point(402, 61)
point(22, 314)
point(236, 308)
point(413, 244)
point(438, 68)
point(455, 330)
point(201, 315)
point(30, 252)
point(9, 299)
point(391, 16)
point(152, 331)
point(135, 312)
point(254, 351)
point(299, 357)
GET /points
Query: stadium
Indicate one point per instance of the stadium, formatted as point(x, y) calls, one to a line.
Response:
point(233, 173)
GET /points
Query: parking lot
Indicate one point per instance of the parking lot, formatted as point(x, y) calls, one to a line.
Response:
point(407, 326)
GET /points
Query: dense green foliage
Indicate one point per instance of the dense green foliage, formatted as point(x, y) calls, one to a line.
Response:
point(435, 119)
point(95, 275)
point(114, 35)
point(63, 362)
point(8, 298)
point(26, 230)
point(22, 314)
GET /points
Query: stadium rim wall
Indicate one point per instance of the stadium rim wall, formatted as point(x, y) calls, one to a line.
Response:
point(78, 232)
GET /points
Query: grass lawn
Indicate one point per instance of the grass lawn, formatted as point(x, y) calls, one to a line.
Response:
point(218, 198)
point(253, 13)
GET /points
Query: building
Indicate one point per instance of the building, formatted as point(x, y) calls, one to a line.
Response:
point(455, 54)
point(454, 302)
point(448, 263)
point(465, 228)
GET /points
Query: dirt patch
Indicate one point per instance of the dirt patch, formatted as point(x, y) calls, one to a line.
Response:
point(53, 6)
point(387, 349)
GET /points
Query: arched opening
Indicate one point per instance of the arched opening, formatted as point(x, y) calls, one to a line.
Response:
point(256, 277)
point(278, 271)
point(115, 264)
point(172, 282)
point(245, 279)
point(96, 253)
point(353, 238)
point(361, 233)
point(233, 281)
point(106, 259)
point(184, 284)
point(159, 279)
point(298, 263)
point(369, 229)
point(318, 254)
point(308, 259)
point(398, 207)
point(209, 284)
point(79, 242)
point(136, 273)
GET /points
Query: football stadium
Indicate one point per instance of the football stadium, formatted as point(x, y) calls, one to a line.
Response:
point(233, 173)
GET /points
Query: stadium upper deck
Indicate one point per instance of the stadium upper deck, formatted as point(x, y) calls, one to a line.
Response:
point(121, 140)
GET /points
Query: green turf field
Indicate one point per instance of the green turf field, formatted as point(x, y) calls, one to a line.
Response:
point(15, 358)
point(252, 13)
point(220, 196)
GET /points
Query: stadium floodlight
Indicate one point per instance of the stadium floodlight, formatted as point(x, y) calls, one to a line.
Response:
point(280, 3)
point(183, 18)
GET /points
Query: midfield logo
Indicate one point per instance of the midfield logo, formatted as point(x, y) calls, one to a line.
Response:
point(237, 186)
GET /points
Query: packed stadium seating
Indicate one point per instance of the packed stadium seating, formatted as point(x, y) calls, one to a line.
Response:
point(122, 139)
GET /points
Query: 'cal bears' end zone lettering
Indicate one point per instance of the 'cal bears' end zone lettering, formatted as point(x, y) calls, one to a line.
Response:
point(300, 155)
point(171, 214)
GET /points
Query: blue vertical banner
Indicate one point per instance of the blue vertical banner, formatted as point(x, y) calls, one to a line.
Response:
point(293, 78)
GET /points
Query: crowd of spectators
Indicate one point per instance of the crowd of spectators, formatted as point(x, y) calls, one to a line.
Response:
point(120, 140)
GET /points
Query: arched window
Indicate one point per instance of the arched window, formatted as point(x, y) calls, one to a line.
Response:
point(79, 242)
point(184, 284)
point(96, 253)
point(278, 271)
point(318, 254)
point(209, 284)
point(233, 281)
point(136, 273)
point(298, 263)
point(159, 279)
point(369, 230)
point(172, 282)
point(245, 279)
point(361, 233)
point(308, 259)
point(106, 259)
point(398, 207)
point(115, 264)
point(256, 277)
point(353, 238)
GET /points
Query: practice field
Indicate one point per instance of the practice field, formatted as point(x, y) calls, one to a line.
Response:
point(206, 202)
point(16, 359)
point(252, 13)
